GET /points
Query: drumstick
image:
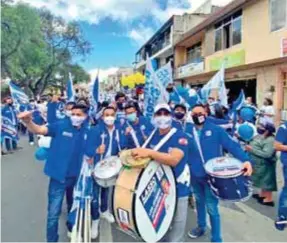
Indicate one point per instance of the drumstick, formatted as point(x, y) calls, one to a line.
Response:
point(103, 141)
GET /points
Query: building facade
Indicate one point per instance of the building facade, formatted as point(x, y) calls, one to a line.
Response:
point(113, 81)
point(250, 38)
point(160, 46)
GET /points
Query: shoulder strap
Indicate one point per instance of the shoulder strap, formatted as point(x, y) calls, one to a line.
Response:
point(162, 141)
point(149, 139)
point(165, 139)
point(134, 137)
point(118, 139)
point(197, 141)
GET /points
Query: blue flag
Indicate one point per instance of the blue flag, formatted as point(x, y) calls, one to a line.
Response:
point(155, 86)
point(94, 96)
point(239, 102)
point(18, 95)
point(8, 129)
point(70, 89)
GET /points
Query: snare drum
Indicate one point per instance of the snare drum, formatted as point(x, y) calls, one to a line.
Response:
point(144, 201)
point(226, 179)
point(106, 171)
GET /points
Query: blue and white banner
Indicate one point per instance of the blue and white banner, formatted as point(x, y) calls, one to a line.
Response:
point(18, 95)
point(70, 90)
point(239, 102)
point(155, 87)
point(216, 82)
point(8, 129)
point(94, 96)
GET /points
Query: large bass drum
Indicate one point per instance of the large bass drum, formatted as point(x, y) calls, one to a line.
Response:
point(144, 201)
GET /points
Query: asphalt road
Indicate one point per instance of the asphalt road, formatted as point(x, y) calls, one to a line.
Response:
point(24, 203)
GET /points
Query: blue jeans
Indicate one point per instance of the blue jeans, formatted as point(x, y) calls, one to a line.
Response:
point(56, 193)
point(205, 200)
point(31, 137)
point(100, 196)
point(8, 142)
point(282, 209)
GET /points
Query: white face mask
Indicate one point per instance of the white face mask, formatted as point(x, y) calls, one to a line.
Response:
point(68, 113)
point(77, 120)
point(162, 122)
point(109, 120)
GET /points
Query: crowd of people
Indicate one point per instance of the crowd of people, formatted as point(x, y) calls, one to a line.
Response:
point(202, 132)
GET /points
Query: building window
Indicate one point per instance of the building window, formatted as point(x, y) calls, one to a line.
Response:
point(278, 14)
point(218, 39)
point(194, 54)
point(228, 32)
point(236, 31)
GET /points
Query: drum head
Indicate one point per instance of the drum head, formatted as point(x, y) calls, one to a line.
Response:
point(155, 202)
point(108, 167)
point(223, 167)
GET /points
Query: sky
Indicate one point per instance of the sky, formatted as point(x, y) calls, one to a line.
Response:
point(117, 28)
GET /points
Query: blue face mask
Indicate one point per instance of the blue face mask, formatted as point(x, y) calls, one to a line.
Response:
point(131, 117)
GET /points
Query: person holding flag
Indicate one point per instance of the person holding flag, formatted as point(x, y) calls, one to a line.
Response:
point(9, 112)
point(64, 160)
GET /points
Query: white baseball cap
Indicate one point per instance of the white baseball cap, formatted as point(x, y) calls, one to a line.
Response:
point(163, 106)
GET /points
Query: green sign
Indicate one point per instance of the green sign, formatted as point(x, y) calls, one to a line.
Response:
point(231, 60)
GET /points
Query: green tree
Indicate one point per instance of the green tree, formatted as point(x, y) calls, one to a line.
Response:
point(34, 53)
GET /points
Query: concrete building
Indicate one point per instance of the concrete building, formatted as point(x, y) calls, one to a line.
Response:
point(251, 37)
point(113, 81)
point(161, 45)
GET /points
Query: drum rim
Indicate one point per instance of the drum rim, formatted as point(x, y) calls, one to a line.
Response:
point(134, 200)
point(239, 173)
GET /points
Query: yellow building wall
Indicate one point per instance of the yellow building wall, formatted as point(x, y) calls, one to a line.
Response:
point(258, 42)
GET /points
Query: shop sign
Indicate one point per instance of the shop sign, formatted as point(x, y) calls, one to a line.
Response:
point(190, 69)
point(231, 60)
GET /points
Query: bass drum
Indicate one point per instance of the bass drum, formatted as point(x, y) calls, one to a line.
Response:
point(144, 201)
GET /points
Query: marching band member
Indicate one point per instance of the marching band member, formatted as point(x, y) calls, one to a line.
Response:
point(136, 128)
point(207, 142)
point(64, 160)
point(281, 145)
point(179, 114)
point(173, 153)
point(103, 141)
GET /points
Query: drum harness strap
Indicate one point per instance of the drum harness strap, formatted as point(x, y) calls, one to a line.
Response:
point(134, 137)
point(197, 141)
point(162, 141)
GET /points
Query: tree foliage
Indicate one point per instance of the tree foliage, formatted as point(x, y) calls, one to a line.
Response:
point(38, 47)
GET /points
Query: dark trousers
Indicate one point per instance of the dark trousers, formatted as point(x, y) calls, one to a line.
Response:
point(9, 142)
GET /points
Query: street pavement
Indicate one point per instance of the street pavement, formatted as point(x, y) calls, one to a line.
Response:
point(24, 208)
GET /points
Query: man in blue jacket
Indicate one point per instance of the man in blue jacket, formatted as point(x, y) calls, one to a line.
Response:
point(212, 141)
point(136, 128)
point(281, 145)
point(179, 116)
point(9, 111)
point(64, 160)
point(104, 140)
point(172, 153)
